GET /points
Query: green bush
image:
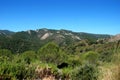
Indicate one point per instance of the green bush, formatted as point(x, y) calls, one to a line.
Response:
point(51, 53)
point(91, 57)
point(16, 71)
point(29, 56)
point(85, 72)
point(6, 53)
point(106, 56)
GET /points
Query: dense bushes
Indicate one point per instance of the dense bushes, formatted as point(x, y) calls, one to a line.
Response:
point(51, 53)
point(91, 57)
point(16, 71)
point(29, 56)
point(5, 53)
point(85, 72)
point(78, 66)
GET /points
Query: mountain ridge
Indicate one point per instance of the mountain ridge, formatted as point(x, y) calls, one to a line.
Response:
point(9, 31)
point(34, 39)
point(6, 32)
point(45, 33)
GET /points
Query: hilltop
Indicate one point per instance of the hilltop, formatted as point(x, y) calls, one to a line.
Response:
point(34, 39)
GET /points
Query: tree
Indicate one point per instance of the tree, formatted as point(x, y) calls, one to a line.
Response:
point(5, 55)
point(91, 57)
point(29, 56)
point(51, 53)
point(85, 72)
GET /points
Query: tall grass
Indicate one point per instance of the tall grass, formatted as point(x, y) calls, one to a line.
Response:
point(111, 71)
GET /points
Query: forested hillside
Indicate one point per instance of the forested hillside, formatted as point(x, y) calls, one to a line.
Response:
point(19, 42)
point(58, 54)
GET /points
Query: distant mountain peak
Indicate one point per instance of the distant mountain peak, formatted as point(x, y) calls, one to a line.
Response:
point(6, 32)
point(55, 35)
point(37, 38)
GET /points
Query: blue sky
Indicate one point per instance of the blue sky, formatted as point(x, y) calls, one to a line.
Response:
point(92, 16)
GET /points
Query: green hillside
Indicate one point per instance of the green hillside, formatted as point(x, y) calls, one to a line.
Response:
point(33, 39)
point(47, 54)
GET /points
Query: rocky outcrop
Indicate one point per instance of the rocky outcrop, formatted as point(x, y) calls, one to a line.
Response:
point(114, 38)
point(45, 36)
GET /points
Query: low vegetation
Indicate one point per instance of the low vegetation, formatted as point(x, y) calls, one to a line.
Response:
point(81, 60)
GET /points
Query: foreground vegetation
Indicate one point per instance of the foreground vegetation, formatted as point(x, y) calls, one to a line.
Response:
point(82, 60)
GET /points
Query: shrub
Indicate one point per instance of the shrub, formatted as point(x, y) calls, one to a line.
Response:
point(85, 72)
point(29, 56)
point(91, 57)
point(16, 71)
point(51, 53)
point(6, 53)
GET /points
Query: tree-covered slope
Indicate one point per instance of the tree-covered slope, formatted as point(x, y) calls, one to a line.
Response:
point(34, 39)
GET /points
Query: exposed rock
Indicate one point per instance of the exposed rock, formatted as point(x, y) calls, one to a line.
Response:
point(58, 32)
point(115, 38)
point(76, 37)
point(29, 32)
point(45, 36)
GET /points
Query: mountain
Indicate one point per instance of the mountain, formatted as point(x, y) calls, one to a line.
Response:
point(34, 39)
point(59, 36)
point(114, 38)
point(6, 32)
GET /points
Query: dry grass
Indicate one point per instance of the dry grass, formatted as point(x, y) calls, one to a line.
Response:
point(110, 73)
